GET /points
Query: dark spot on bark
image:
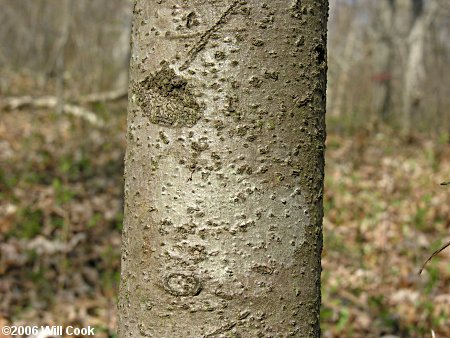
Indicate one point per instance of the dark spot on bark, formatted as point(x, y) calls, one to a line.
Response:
point(271, 75)
point(298, 10)
point(300, 41)
point(255, 81)
point(200, 146)
point(191, 20)
point(320, 50)
point(219, 55)
point(163, 137)
point(262, 269)
point(258, 43)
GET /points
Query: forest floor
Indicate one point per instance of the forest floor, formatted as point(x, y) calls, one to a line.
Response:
point(61, 187)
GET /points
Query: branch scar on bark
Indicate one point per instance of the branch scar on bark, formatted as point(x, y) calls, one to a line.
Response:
point(180, 284)
point(198, 47)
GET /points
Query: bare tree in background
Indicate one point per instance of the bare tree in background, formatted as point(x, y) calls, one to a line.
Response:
point(224, 169)
point(384, 57)
point(345, 61)
point(59, 52)
point(390, 63)
point(95, 54)
point(422, 14)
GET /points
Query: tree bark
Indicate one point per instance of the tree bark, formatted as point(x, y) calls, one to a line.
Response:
point(422, 17)
point(345, 62)
point(383, 57)
point(224, 169)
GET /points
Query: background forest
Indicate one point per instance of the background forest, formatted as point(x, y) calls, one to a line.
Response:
point(63, 85)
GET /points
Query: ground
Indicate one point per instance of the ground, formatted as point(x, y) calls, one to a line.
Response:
point(61, 190)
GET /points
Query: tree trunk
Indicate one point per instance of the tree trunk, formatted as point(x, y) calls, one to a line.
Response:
point(346, 63)
point(422, 17)
point(224, 169)
point(383, 57)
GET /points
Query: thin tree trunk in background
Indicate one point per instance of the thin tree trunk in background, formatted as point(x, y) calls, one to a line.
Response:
point(60, 48)
point(384, 54)
point(422, 15)
point(224, 169)
point(345, 63)
point(121, 54)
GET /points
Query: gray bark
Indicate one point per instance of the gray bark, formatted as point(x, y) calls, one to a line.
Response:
point(383, 57)
point(415, 64)
point(346, 63)
point(224, 169)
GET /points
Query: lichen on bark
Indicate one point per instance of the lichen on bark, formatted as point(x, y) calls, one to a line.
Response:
point(166, 99)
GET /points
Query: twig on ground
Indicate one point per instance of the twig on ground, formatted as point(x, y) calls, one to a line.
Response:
point(51, 102)
point(113, 95)
point(434, 254)
point(438, 250)
point(68, 108)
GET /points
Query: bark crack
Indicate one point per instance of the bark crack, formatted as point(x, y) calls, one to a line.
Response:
point(221, 329)
point(200, 45)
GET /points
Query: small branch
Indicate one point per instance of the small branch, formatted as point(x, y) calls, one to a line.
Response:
point(51, 102)
point(445, 246)
point(113, 95)
point(434, 254)
point(83, 113)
